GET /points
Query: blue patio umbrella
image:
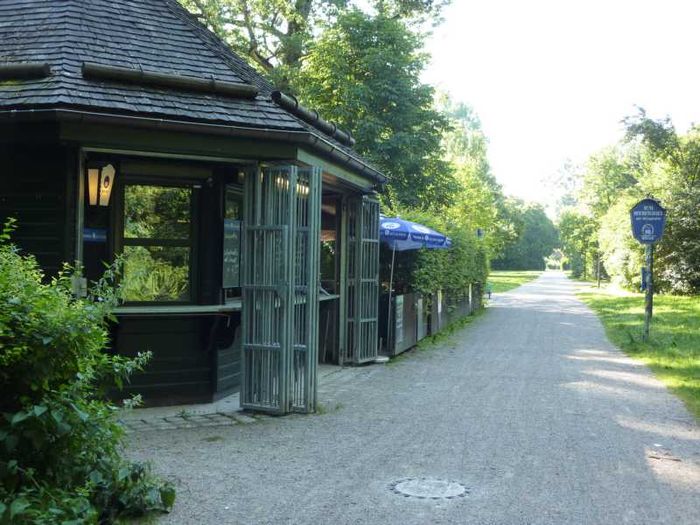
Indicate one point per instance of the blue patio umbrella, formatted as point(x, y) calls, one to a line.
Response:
point(402, 235)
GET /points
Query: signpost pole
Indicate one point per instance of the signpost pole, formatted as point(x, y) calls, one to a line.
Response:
point(648, 219)
point(649, 297)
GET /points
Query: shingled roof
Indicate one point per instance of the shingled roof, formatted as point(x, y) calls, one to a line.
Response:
point(152, 36)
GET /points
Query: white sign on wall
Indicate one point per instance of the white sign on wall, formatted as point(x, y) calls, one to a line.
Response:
point(398, 322)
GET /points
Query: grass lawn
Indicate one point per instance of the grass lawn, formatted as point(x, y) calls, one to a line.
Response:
point(503, 281)
point(673, 349)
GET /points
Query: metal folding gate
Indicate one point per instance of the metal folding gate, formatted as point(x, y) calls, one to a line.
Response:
point(362, 280)
point(281, 243)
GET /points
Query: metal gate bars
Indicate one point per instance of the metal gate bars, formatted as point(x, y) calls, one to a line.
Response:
point(363, 280)
point(281, 244)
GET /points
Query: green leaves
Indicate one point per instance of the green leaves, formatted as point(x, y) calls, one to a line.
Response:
point(56, 430)
point(167, 496)
point(8, 227)
point(363, 73)
point(653, 159)
point(578, 237)
point(537, 238)
point(17, 507)
point(18, 417)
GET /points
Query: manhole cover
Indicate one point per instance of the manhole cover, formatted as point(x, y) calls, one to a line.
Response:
point(428, 488)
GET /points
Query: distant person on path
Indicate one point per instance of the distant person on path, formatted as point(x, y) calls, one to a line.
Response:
point(489, 289)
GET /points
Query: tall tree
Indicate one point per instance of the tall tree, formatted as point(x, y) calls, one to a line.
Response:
point(537, 238)
point(363, 73)
point(578, 232)
point(563, 187)
point(480, 203)
point(273, 34)
point(608, 173)
point(679, 156)
point(276, 34)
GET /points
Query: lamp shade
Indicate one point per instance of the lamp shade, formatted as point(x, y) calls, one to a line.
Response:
point(106, 183)
point(93, 185)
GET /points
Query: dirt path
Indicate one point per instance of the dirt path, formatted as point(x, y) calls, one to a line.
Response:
point(530, 408)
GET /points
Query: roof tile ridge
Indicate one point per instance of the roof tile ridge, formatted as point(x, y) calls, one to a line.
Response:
point(127, 50)
point(218, 46)
point(61, 73)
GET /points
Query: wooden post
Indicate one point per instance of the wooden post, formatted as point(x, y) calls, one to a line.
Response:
point(649, 298)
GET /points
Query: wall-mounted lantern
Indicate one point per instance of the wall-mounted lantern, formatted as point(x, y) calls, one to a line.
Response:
point(100, 183)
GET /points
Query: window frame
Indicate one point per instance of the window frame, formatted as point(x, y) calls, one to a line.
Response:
point(120, 241)
point(233, 293)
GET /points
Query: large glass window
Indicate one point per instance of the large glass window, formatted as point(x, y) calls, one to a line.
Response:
point(157, 244)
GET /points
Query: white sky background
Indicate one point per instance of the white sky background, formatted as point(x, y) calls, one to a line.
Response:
point(551, 80)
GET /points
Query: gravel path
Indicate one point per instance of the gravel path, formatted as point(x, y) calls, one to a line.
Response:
point(530, 407)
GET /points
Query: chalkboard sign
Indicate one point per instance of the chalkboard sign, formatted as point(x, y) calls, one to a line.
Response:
point(232, 253)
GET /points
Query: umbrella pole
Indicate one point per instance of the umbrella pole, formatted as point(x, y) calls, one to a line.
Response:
point(391, 285)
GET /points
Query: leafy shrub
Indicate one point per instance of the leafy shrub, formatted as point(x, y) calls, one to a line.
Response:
point(60, 456)
point(622, 254)
point(679, 250)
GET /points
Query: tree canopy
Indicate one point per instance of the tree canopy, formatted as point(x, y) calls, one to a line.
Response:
point(653, 160)
point(276, 34)
point(536, 238)
point(363, 74)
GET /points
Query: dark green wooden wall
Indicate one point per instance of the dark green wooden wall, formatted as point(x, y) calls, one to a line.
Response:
point(180, 370)
point(35, 189)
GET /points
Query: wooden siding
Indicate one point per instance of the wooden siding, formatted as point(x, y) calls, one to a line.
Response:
point(34, 189)
point(180, 370)
point(228, 356)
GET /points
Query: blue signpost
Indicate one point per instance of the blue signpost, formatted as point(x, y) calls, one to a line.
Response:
point(648, 219)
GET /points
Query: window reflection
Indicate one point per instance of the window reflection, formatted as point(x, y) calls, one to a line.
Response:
point(157, 212)
point(157, 246)
point(233, 213)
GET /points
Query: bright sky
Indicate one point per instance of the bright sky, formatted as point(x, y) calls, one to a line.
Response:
point(551, 79)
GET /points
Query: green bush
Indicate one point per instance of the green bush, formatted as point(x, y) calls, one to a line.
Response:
point(60, 444)
point(623, 255)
